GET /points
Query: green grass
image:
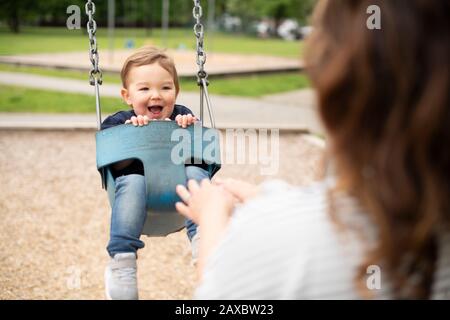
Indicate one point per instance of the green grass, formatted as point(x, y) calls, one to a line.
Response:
point(244, 86)
point(108, 77)
point(18, 99)
point(50, 40)
point(254, 86)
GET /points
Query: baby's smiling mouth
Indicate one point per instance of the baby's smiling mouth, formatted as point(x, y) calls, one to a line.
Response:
point(156, 110)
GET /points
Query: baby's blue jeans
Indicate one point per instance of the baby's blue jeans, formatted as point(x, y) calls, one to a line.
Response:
point(129, 211)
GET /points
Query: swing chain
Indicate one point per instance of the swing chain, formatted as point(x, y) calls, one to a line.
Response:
point(95, 75)
point(197, 13)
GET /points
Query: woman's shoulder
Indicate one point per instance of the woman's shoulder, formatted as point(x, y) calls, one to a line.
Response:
point(280, 239)
point(285, 214)
point(311, 216)
point(286, 200)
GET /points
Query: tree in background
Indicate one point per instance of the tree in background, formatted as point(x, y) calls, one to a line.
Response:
point(42, 12)
point(13, 12)
point(147, 13)
point(251, 10)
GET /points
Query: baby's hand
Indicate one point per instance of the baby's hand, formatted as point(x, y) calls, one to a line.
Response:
point(138, 121)
point(185, 120)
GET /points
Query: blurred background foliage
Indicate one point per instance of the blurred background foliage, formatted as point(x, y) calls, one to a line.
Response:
point(147, 13)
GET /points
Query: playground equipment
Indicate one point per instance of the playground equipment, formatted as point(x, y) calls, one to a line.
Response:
point(154, 144)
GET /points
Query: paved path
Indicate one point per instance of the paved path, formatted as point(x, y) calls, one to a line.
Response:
point(289, 111)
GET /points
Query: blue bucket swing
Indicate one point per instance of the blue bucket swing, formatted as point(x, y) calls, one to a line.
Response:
point(156, 145)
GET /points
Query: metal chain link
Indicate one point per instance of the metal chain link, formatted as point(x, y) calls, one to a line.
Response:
point(202, 75)
point(95, 73)
point(197, 13)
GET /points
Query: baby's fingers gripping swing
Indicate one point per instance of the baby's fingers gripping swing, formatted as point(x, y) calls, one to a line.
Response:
point(156, 145)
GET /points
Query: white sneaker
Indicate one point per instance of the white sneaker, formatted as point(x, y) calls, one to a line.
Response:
point(120, 277)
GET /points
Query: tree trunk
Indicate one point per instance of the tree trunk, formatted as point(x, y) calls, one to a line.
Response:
point(13, 20)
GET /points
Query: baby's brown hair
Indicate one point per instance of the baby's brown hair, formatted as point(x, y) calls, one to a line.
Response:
point(149, 55)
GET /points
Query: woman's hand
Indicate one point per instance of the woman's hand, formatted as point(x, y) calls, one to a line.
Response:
point(209, 206)
point(241, 190)
point(205, 201)
point(225, 193)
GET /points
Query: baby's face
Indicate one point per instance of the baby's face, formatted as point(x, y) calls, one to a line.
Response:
point(151, 91)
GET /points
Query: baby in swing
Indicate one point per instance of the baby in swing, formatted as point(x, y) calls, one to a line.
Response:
point(150, 88)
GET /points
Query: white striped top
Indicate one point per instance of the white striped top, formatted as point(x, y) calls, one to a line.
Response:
point(283, 245)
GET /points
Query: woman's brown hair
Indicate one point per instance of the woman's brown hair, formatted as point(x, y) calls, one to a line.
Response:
point(384, 100)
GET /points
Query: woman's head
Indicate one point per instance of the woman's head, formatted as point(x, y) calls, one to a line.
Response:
point(384, 100)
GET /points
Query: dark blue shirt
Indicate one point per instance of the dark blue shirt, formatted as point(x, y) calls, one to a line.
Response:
point(119, 118)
